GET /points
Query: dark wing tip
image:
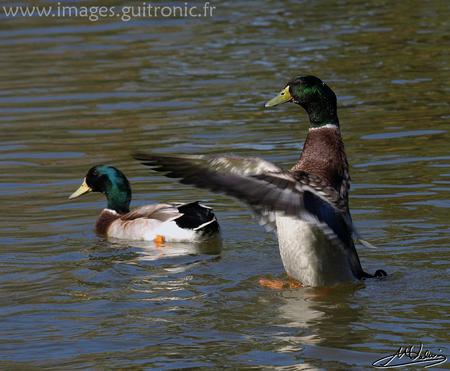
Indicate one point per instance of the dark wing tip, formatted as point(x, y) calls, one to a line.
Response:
point(161, 163)
point(145, 157)
point(139, 155)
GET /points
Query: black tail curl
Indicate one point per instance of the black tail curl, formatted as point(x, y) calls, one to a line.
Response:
point(380, 273)
point(195, 215)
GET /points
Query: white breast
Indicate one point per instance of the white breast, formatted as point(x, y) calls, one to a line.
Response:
point(307, 255)
point(147, 230)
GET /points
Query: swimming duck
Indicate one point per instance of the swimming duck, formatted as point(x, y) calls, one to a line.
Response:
point(307, 205)
point(172, 222)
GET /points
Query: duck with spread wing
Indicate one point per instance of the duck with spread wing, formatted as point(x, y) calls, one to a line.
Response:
point(306, 205)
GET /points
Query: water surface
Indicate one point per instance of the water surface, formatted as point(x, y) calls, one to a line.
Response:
point(76, 93)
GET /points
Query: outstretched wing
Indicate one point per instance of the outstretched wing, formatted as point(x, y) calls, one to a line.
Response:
point(263, 186)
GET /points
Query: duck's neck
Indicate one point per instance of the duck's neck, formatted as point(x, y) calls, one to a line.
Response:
point(324, 155)
point(322, 113)
point(118, 195)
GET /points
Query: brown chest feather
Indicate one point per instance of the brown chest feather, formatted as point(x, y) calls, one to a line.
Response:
point(324, 155)
point(104, 221)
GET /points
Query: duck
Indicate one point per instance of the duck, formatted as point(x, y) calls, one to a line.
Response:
point(161, 223)
point(307, 205)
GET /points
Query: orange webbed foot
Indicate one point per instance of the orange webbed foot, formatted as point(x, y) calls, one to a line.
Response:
point(277, 284)
point(293, 283)
point(159, 240)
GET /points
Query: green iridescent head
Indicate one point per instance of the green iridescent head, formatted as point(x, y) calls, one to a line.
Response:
point(111, 182)
point(314, 96)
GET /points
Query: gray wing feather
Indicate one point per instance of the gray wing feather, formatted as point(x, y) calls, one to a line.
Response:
point(161, 212)
point(262, 185)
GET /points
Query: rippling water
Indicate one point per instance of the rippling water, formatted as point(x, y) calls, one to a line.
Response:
point(76, 93)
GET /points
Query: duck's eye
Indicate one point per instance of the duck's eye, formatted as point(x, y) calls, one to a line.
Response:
point(282, 93)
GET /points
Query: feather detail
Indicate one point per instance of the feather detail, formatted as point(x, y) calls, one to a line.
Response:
point(160, 212)
point(366, 243)
point(265, 191)
point(324, 156)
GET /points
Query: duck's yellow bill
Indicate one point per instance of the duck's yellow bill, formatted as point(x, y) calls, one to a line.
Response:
point(283, 97)
point(84, 188)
